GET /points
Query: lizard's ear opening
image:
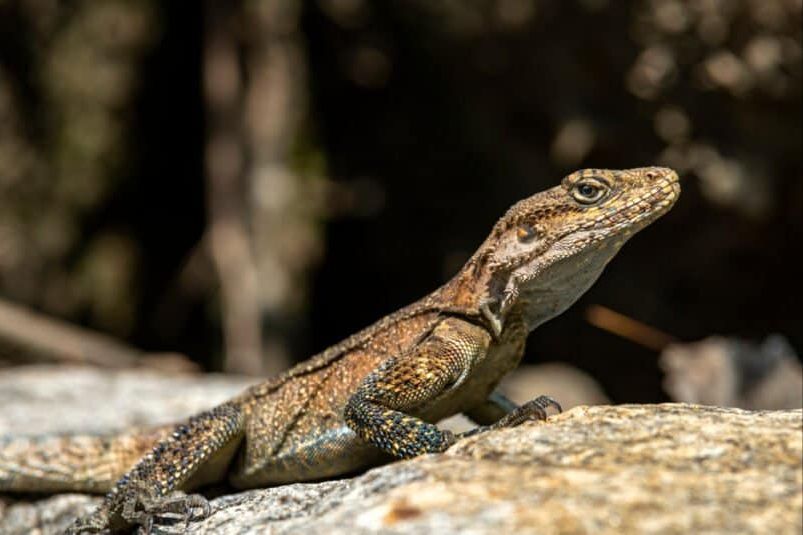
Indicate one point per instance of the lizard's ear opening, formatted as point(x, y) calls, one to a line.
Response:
point(525, 233)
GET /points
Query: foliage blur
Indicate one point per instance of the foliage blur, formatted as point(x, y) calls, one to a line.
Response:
point(265, 177)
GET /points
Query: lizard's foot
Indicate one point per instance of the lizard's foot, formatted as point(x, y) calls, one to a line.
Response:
point(137, 510)
point(86, 525)
point(95, 522)
point(178, 507)
point(534, 409)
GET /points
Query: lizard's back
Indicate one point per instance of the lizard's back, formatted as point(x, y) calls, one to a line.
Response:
point(294, 428)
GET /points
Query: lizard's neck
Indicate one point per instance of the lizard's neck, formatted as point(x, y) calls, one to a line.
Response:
point(477, 291)
point(467, 290)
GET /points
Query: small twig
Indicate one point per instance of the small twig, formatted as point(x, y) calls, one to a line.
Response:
point(27, 336)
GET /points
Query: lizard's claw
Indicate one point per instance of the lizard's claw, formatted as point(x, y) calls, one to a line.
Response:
point(541, 404)
point(145, 512)
point(178, 507)
point(96, 522)
point(79, 528)
point(534, 409)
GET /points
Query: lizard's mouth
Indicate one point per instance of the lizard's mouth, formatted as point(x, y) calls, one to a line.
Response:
point(641, 210)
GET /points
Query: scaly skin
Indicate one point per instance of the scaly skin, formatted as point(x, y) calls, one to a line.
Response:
point(377, 394)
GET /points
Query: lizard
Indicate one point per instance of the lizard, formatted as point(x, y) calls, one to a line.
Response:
point(377, 395)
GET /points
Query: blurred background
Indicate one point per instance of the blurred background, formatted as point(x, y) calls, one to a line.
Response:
point(248, 182)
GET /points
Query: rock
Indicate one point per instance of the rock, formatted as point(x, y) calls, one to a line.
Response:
point(669, 468)
point(730, 372)
point(52, 398)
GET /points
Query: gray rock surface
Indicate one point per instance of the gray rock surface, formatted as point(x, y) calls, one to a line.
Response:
point(669, 468)
point(52, 398)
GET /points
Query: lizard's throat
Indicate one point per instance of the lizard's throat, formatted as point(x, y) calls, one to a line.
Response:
point(530, 297)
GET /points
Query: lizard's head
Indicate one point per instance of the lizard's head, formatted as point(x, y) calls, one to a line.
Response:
point(555, 244)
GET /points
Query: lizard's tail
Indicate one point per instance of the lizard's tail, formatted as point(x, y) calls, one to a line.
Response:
point(80, 463)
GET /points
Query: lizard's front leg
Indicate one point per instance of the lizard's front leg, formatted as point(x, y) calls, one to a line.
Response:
point(380, 409)
point(206, 442)
point(498, 412)
point(493, 409)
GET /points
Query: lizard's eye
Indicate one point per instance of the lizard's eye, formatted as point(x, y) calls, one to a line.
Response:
point(588, 191)
point(525, 233)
